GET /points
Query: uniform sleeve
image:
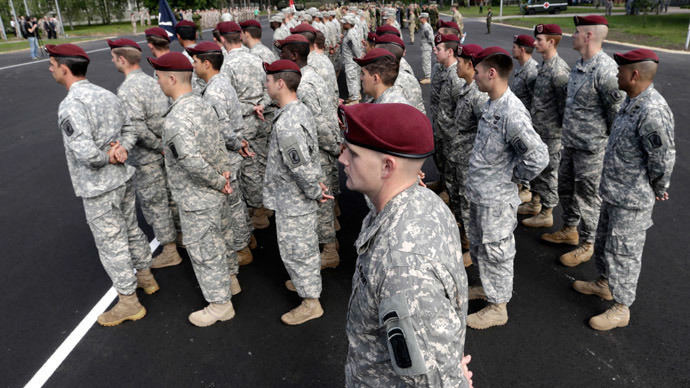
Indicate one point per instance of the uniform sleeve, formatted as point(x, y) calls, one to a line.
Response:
point(560, 89)
point(610, 95)
point(246, 108)
point(532, 153)
point(134, 110)
point(656, 132)
point(356, 48)
point(78, 137)
point(297, 157)
point(128, 134)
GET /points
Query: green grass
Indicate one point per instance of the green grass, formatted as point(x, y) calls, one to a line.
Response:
point(511, 10)
point(123, 28)
point(15, 45)
point(666, 31)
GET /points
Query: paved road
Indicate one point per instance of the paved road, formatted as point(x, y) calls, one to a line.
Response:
point(52, 277)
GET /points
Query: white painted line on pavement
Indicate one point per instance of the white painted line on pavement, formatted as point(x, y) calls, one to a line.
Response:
point(75, 336)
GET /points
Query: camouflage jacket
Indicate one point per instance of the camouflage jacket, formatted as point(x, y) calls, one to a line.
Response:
point(523, 82)
point(640, 153)
point(468, 110)
point(246, 73)
point(438, 78)
point(447, 102)
point(314, 93)
point(352, 46)
point(410, 286)
point(427, 38)
point(195, 154)
point(220, 94)
point(506, 150)
point(324, 68)
point(145, 104)
point(392, 95)
point(293, 165)
point(264, 53)
point(592, 103)
point(411, 89)
point(548, 101)
point(90, 118)
point(405, 67)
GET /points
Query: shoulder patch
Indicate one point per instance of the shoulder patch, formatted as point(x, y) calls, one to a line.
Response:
point(66, 127)
point(519, 145)
point(615, 95)
point(654, 140)
point(171, 145)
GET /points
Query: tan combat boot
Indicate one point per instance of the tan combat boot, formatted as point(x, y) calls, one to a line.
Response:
point(476, 292)
point(542, 220)
point(308, 310)
point(290, 286)
point(244, 256)
point(600, 288)
point(329, 256)
point(146, 281)
point(532, 207)
point(565, 235)
point(489, 316)
point(212, 313)
point(252, 242)
point(617, 315)
point(235, 285)
point(168, 257)
point(336, 224)
point(127, 308)
point(425, 81)
point(444, 197)
point(524, 194)
point(259, 218)
point(466, 259)
point(579, 255)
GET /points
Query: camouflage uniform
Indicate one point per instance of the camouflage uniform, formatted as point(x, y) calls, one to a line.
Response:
point(246, 73)
point(548, 104)
point(264, 53)
point(351, 48)
point(638, 162)
point(409, 280)
point(392, 95)
point(220, 94)
point(291, 189)
point(523, 82)
point(427, 44)
point(506, 150)
point(195, 158)
point(90, 118)
point(325, 69)
point(590, 108)
point(438, 79)
point(468, 110)
point(145, 104)
point(410, 87)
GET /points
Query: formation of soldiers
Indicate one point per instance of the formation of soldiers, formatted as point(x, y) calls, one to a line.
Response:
point(230, 133)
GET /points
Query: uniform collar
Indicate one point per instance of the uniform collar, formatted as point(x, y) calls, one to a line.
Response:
point(631, 103)
point(179, 99)
point(591, 63)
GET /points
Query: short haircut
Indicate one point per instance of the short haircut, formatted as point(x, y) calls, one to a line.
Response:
point(216, 35)
point(501, 62)
point(290, 78)
point(158, 42)
point(556, 39)
point(275, 25)
point(320, 40)
point(232, 37)
point(311, 37)
point(214, 57)
point(393, 48)
point(76, 65)
point(449, 31)
point(302, 50)
point(186, 32)
point(253, 31)
point(449, 46)
point(386, 68)
point(528, 49)
point(647, 69)
point(130, 54)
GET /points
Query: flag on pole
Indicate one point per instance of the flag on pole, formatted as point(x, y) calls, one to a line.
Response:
point(166, 19)
point(292, 4)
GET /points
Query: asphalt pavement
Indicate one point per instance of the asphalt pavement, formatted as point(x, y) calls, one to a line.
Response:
point(52, 277)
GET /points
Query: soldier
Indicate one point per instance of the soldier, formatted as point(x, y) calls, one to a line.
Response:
point(406, 81)
point(406, 317)
point(638, 162)
point(323, 66)
point(98, 137)
point(292, 188)
point(199, 171)
point(145, 104)
point(158, 41)
point(219, 93)
point(457, 18)
point(548, 104)
point(251, 38)
point(351, 48)
point(468, 110)
point(427, 43)
point(489, 17)
point(591, 106)
point(412, 23)
point(246, 74)
point(280, 30)
point(379, 71)
point(433, 14)
point(523, 82)
point(506, 150)
point(314, 93)
point(186, 36)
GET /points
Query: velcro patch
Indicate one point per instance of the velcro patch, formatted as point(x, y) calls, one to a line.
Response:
point(294, 155)
point(171, 145)
point(66, 126)
point(519, 145)
point(654, 140)
point(615, 95)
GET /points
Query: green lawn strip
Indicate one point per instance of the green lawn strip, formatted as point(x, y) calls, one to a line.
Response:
point(665, 31)
point(24, 44)
point(511, 10)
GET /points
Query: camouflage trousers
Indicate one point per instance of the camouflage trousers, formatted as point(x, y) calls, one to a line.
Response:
point(325, 213)
point(352, 71)
point(150, 183)
point(203, 235)
point(122, 246)
point(456, 173)
point(426, 61)
point(299, 248)
point(227, 223)
point(251, 175)
point(578, 188)
point(492, 248)
point(412, 27)
point(238, 216)
point(546, 183)
point(618, 248)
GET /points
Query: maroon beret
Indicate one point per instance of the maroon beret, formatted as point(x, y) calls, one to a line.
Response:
point(250, 23)
point(548, 29)
point(228, 27)
point(371, 37)
point(523, 40)
point(444, 24)
point(157, 31)
point(390, 38)
point(590, 20)
point(185, 23)
point(442, 38)
point(634, 56)
point(386, 29)
point(292, 39)
point(66, 50)
point(487, 52)
point(281, 65)
point(117, 43)
point(468, 51)
point(373, 55)
point(395, 129)
point(303, 27)
point(172, 61)
point(204, 47)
